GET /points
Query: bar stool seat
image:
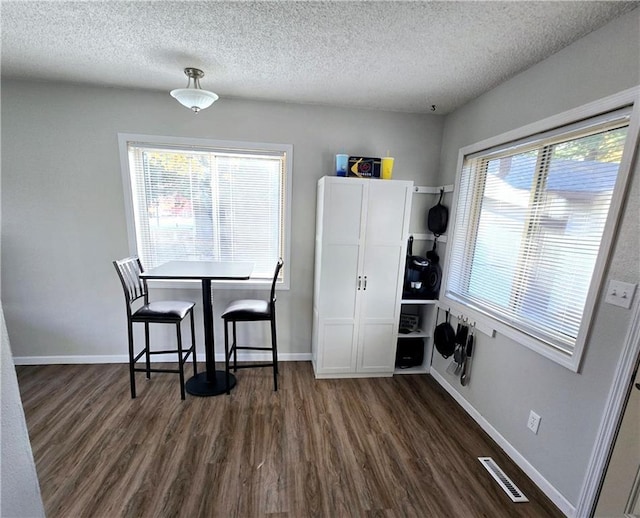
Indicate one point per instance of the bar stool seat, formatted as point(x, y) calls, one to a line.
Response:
point(247, 310)
point(162, 311)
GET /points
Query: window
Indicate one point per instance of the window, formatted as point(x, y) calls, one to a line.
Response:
point(194, 199)
point(529, 224)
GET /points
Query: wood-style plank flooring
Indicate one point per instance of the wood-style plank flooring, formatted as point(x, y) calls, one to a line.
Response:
point(392, 447)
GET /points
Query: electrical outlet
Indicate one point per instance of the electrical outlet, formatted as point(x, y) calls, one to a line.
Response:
point(534, 422)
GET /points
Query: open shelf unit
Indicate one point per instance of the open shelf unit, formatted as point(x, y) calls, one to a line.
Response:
point(424, 309)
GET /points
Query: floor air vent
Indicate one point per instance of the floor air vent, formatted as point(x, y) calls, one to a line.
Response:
point(505, 482)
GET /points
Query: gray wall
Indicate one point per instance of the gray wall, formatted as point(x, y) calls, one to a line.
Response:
point(508, 380)
point(63, 206)
point(20, 495)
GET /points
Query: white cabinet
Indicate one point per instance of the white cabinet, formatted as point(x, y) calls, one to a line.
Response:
point(360, 249)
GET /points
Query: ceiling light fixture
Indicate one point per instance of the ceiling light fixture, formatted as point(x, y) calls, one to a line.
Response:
point(193, 96)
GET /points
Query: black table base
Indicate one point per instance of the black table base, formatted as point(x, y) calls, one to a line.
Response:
point(199, 386)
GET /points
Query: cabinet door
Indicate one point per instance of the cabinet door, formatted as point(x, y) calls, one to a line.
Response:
point(388, 209)
point(341, 240)
point(379, 314)
point(388, 212)
point(341, 259)
point(377, 347)
point(337, 354)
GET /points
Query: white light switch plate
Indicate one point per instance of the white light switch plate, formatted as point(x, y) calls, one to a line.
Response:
point(620, 293)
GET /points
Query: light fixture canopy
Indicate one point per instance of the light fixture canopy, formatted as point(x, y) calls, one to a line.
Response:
point(193, 96)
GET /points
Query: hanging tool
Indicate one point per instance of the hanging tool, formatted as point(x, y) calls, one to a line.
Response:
point(466, 369)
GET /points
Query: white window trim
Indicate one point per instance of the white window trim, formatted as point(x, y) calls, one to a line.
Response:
point(123, 141)
point(630, 97)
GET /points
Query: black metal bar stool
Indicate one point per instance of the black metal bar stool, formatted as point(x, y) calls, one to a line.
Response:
point(162, 312)
point(249, 310)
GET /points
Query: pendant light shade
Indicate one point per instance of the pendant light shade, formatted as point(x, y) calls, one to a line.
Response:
point(193, 96)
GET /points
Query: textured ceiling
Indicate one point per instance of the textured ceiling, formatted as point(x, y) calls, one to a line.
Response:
point(401, 56)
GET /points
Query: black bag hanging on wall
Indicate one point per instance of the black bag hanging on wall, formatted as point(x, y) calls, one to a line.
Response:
point(438, 217)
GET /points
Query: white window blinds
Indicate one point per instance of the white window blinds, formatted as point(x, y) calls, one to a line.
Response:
point(194, 203)
point(529, 222)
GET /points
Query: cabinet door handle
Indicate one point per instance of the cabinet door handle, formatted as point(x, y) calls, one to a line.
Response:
point(359, 281)
point(365, 282)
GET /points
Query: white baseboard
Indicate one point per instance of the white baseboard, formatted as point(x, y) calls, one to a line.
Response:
point(123, 358)
point(353, 375)
point(545, 486)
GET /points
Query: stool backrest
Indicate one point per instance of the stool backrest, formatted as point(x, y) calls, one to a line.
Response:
point(129, 271)
point(275, 279)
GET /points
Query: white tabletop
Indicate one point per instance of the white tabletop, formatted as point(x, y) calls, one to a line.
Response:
point(211, 270)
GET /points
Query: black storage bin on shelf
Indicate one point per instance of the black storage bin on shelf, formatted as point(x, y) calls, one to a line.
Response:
point(409, 353)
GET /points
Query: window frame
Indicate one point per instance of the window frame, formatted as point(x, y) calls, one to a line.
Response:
point(562, 121)
point(124, 139)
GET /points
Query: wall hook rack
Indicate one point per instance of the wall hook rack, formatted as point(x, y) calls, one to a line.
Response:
point(484, 328)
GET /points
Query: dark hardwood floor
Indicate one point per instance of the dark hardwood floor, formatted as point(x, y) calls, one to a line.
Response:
point(391, 447)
